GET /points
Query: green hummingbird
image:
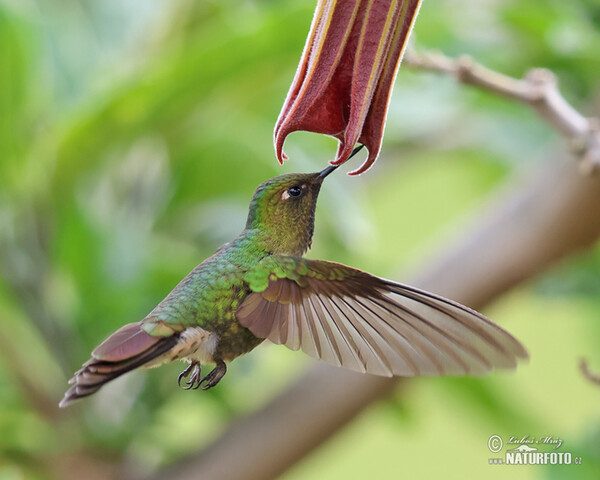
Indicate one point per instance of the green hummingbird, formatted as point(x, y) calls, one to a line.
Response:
point(259, 286)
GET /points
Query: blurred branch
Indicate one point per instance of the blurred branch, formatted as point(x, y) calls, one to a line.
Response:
point(267, 442)
point(538, 89)
point(587, 373)
point(527, 228)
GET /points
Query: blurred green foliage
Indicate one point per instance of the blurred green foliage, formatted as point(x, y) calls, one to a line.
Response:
point(132, 135)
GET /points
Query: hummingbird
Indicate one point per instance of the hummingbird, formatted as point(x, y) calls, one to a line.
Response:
point(260, 286)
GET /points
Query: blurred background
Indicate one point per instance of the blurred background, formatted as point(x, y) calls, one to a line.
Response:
point(132, 135)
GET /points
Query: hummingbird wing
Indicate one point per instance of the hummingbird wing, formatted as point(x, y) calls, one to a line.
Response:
point(350, 318)
point(128, 348)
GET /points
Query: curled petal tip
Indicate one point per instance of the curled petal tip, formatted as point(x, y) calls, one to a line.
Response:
point(344, 152)
point(358, 171)
point(279, 153)
point(366, 165)
point(281, 157)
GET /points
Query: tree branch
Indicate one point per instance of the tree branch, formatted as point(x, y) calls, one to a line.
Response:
point(267, 442)
point(538, 89)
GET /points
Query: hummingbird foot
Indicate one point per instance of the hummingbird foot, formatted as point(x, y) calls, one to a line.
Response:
point(195, 378)
point(214, 376)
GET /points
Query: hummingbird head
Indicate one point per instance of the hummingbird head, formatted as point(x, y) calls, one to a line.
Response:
point(283, 208)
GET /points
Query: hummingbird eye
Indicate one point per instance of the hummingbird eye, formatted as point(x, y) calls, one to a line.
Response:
point(294, 191)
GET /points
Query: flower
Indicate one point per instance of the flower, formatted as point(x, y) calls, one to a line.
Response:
point(343, 83)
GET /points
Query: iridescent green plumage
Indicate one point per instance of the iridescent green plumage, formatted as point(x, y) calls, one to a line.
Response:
point(258, 286)
point(210, 295)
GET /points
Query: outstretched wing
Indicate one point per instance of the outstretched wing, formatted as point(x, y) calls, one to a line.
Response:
point(128, 348)
point(350, 318)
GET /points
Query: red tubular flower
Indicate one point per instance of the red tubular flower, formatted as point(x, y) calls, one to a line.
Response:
point(344, 80)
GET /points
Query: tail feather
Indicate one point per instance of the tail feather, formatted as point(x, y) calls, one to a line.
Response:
point(128, 348)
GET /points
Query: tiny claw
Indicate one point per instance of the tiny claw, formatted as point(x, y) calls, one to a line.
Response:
point(214, 376)
point(195, 381)
point(195, 367)
point(183, 374)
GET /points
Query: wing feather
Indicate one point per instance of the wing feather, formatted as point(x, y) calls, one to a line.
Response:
point(353, 319)
point(327, 338)
point(294, 338)
point(312, 334)
point(378, 352)
point(396, 331)
point(446, 345)
point(349, 352)
point(128, 348)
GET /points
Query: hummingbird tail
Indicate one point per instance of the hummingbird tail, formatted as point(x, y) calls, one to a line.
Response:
point(128, 348)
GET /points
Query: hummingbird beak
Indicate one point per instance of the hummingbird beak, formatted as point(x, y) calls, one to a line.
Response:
point(323, 173)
